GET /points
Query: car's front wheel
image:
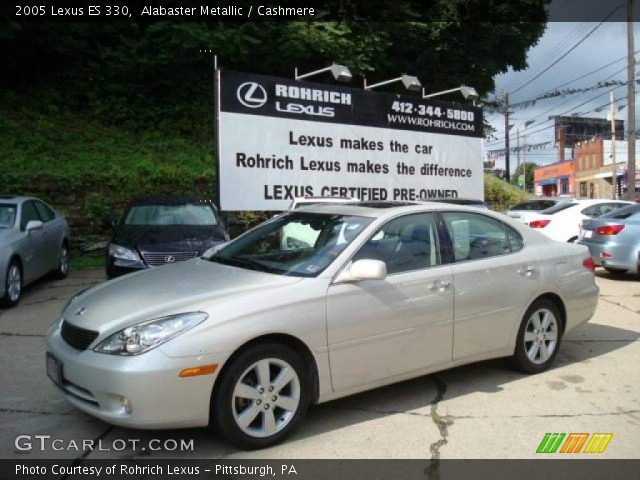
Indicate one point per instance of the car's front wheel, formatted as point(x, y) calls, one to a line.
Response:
point(538, 338)
point(63, 261)
point(12, 285)
point(262, 396)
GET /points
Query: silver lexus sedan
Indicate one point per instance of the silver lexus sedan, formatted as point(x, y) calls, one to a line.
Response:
point(247, 336)
point(34, 241)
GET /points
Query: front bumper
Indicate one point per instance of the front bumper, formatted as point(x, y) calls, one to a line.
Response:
point(96, 383)
point(622, 256)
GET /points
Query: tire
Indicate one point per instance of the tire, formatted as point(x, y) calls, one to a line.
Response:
point(529, 356)
point(13, 291)
point(63, 261)
point(615, 271)
point(269, 415)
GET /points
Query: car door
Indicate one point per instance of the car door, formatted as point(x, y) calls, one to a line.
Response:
point(379, 329)
point(33, 245)
point(495, 277)
point(51, 233)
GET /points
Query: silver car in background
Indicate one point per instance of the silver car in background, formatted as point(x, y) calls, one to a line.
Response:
point(34, 241)
point(614, 239)
point(249, 335)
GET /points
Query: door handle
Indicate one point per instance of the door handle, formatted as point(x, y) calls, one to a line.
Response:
point(439, 286)
point(527, 271)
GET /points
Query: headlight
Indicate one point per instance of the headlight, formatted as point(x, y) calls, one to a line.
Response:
point(147, 335)
point(124, 253)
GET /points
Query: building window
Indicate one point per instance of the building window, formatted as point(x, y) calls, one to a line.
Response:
point(583, 189)
point(564, 186)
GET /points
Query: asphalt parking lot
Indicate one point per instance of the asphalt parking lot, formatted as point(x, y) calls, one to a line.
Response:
point(479, 411)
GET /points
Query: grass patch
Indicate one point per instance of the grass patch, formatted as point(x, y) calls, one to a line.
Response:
point(87, 261)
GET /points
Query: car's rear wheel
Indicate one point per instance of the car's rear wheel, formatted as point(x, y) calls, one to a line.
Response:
point(262, 396)
point(63, 261)
point(13, 284)
point(538, 338)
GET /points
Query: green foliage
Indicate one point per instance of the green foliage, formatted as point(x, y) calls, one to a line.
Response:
point(499, 195)
point(527, 168)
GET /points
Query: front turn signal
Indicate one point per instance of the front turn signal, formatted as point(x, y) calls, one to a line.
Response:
point(201, 370)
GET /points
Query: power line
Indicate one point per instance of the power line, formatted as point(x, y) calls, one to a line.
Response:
point(567, 52)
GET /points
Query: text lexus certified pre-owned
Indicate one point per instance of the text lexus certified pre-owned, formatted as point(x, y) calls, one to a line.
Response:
point(249, 335)
point(34, 241)
point(160, 230)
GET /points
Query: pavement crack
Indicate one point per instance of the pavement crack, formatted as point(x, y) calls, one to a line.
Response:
point(87, 452)
point(620, 305)
point(443, 423)
point(551, 415)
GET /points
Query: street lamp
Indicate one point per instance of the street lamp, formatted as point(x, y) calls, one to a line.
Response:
point(468, 93)
point(340, 73)
point(410, 82)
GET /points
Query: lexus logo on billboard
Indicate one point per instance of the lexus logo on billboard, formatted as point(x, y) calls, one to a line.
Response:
point(252, 95)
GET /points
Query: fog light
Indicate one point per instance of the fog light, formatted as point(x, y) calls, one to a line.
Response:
point(126, 404)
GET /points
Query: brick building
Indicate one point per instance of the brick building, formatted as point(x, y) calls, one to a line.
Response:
point(557, 179)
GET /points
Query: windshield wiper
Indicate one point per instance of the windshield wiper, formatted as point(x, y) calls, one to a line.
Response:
point(244, 262)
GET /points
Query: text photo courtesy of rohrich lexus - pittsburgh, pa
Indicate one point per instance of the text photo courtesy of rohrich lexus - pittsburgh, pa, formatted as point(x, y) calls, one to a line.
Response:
point(341, 239)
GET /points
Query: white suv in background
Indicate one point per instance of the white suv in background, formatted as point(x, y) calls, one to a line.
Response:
point(562, 222)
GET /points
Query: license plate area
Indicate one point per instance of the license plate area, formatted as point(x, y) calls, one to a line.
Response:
point(54, 369)
point(587, 233)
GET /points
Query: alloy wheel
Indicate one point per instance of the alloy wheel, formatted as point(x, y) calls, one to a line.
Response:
point(541, 336)
point(64, 260)
point(266, 397)
point(14, 283)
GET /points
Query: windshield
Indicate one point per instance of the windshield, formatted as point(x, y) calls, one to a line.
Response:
point(7, 215)
point(296, 244)
point(188, 214)
point(558, 208)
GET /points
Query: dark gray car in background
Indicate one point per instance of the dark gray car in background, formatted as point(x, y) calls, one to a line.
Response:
point(614, 239)
point(34, 241)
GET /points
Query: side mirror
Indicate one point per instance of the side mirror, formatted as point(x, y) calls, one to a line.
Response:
point(363, 270)
point(229, 221)
point(33, 225)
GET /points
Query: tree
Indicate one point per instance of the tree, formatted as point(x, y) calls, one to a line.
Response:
point(527, 168)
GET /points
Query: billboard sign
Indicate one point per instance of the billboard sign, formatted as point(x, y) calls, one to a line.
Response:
point(279, 139)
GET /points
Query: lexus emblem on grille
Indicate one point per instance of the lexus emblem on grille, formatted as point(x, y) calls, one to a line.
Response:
point(81, 310)
point(169, 259)
point(252, 95)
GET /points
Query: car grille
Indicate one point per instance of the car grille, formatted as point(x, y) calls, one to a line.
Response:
point(155, 259)
point(77, 337)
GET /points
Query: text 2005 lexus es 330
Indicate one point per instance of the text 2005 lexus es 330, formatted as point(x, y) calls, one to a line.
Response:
point(313, 305)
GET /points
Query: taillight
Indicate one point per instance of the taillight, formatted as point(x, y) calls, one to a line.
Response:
point(589, 264)
point(539, 223)
point(608, 230)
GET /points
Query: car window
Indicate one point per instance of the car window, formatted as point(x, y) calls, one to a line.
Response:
point(187, 214)
point(624, 212)
point(529, 205)
point(515, 239)
point(404, 244)
point(559, 207)
point(476, 236)
point(46, 214)
point(601, 209)
point(28, 213)
point(7, 215)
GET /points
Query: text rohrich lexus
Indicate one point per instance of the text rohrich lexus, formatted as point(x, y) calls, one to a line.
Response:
point(247, 336)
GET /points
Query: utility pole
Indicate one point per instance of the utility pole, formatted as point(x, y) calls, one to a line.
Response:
point(614, 166)
point(631, 96)
point(524, 158)
point(506, 136)
point(518, 151)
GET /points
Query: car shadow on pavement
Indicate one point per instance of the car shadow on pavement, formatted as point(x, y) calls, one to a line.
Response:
point(413, 403)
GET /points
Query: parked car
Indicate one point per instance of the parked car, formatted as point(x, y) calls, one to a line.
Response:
point(469, 202)
point(562, 221)
point(156, 231)
point(614, 239)
point(247, 336)
point(523, 211)
point(34, 241)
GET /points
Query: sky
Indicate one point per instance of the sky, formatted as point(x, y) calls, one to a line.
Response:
point(606, 44)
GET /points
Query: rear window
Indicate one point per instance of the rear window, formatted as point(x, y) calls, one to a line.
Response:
point(7, 215)
point(534, 205)
point(558, 208)
point(624, 212)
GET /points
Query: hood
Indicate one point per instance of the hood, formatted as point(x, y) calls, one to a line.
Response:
point(170, 238)
point(179, 287)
